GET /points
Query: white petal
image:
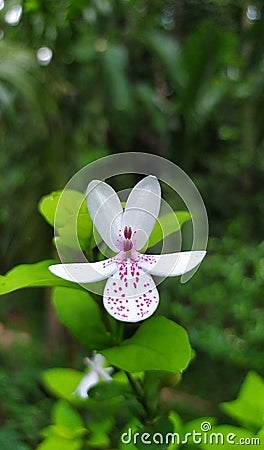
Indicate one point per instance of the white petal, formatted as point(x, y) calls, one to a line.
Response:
point(106, 212)
point(130, 295)
point(98, 361)
point(103, 373)
point(85, 272)
point(172, 264)
point(142, 210)
point(88, 381)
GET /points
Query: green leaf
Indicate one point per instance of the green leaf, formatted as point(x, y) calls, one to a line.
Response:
point(157, 434)
point(99, 433)
point(170, 53)
point(66, 416)
point(260, 435)
point(59, 443)
point(32, 275)
point(114, 62)
point(221, 435)
point(62, 383)
point(177, 428)
point(126, 435)
point(99, 441)
point(105, 391)
point(248, 408)
point(11, 439)
point(71, 203)
point(67, 212)
point(168, 224)
point(158, 344)
point(81, 315)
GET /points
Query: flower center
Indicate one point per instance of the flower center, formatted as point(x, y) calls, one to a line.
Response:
point(127, 235)
point(126, 246)
point(127, 232)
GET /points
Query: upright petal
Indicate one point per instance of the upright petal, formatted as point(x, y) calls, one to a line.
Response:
point(88, 381)
point(97, 364)
point(97, 361)
point(85, 272)
point(142, 210)
point(106, 212)
point(171, 264)
point(105, 373)
point(130, 295)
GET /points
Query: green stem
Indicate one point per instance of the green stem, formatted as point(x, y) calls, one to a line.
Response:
point(140, 395)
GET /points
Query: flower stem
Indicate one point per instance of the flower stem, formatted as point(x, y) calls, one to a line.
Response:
point(140, 395)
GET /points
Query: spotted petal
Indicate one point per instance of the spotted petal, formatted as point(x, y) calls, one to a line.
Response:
point(172, 264)
point(85, 272)
point(130, 295)
point(106, 211)
point(142, 210)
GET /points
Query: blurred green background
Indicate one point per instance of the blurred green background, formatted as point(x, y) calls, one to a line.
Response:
point(183, 79)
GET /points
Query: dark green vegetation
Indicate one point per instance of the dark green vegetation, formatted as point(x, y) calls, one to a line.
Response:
point(181, 79)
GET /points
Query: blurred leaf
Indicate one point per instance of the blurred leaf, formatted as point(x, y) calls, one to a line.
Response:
point(156, 106)
point(72, 202)
point(260, 435)
point(68, 419)
point(99, 441)
point(67, 212)
point(81, 315)
point(62, 383)
point(205, 84)
point(160, 428)
point(104, 391)
point(248, 408)
point(19, 72)
point(158, 344)
point(65, 415)
point(196, 76)
point(218, 436)
point(10, 439)
point(114, 59)
point(170, 53)
point(177, 428)
point(133, 425)
point(32, 275)
point(58, 443)
point(168, 224)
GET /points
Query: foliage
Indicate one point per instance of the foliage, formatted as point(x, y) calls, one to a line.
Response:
point(143, 362)
point(93, 335)
point(29, 276)
point(245, 410)
point(230, 299)
point(23, 403)
point(146, 351)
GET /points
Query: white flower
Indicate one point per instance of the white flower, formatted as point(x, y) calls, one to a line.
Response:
point(130, 293)
point(97, 372)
